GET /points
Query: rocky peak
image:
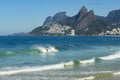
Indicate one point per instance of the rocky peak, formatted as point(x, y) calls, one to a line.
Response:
point(83, 10)
point(91, 14)
point(49, 17)
point(48, 21)
point(86, 20)
point(57, 17)
point(81, 13)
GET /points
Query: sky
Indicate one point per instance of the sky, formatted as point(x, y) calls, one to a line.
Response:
point(25, 15)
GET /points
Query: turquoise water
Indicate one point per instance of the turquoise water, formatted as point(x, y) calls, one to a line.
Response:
point(59, 58)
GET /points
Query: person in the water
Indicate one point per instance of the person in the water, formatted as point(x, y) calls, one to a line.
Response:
point(47, 49)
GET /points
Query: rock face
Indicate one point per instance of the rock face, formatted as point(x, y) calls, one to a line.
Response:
point(95, 28)
point(81, 13)
point(81, 20)
point(48, 21)
point(86, 20)
point(57, 17)
point(113, 16)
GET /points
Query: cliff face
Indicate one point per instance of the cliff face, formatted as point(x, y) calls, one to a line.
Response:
point(81, 13)
point(81, 20)
point(48, 21)
point(57, 17)
point(85, 20)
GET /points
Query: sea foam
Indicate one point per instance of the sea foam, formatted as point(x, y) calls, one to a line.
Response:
point(87, 78)
point(95, 59)
point(89, 61)
point(62, 65)
point(116, 73)
point(111, 57)
point(49, 49)
point(32, 69)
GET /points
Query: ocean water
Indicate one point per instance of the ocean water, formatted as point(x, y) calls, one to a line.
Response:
point(59, 58)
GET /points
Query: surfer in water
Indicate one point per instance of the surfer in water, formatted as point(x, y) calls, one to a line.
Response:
point(107, 46)
point(47, 49)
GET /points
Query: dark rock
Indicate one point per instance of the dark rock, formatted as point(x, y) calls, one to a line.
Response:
point(81, 13)
point(48, 21)
point(113, 16)
point(57, 17)
point(86, 20)
point(95, 28)
point(81, 20)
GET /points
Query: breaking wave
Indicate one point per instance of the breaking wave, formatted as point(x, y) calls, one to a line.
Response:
point(87, 78)
point(6, 53)
point(94, 59)
point(82, 62)
point(116, 73)
point(48, 49)
point(111, 57)
point(15, 70)
point(32, 69)
point(33, 50)
point(61, 65)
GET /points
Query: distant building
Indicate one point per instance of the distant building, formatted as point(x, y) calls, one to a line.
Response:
point(72, 32)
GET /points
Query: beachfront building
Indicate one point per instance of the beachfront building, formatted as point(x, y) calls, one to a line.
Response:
point(114, 31)
point(72, 32)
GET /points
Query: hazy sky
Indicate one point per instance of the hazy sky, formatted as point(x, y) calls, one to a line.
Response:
point(25, 15)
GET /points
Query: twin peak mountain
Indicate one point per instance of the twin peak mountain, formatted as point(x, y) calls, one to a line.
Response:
point(83, 23)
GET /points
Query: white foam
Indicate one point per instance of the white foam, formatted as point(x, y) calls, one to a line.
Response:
point(87, 78)
point(69, 63)
point(89, 61)
point(49, 49)
point(111, 57)
point(32, 69)
point(52, 49)
point(116, 73)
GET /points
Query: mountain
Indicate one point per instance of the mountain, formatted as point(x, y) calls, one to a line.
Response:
point(57, 17)
point(48, 21)
point(79, 21)
point(83, 23)
point(37, 31)
point(113, 16)
point(95, 28)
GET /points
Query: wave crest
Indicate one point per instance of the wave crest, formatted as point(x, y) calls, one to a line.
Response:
point(88, 78)
point(111, 57)
point(32, 69)
point(116, 73)
point(49, 49)
point(33, 50)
